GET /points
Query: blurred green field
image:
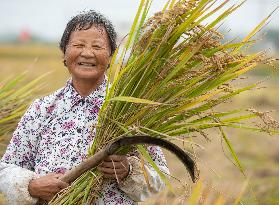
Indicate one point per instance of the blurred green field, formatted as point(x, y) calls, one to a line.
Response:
point(258, 152)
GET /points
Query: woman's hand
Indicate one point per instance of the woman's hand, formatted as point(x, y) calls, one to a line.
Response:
point(47, 186)
point(115, 166)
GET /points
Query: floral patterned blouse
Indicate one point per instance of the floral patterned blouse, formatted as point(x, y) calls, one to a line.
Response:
point(54, 135)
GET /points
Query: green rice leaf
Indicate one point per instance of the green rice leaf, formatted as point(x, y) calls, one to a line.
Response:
point(134, 100)
point(195, 195)
point(233, 153)
point(146, 156)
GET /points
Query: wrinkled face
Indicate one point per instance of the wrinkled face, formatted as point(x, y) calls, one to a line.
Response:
point(88, 53)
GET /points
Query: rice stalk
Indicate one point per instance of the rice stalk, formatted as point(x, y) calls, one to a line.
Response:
point(14, 99)
point(177, 73)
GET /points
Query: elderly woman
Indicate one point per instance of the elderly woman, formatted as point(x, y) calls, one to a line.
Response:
point(54, 134)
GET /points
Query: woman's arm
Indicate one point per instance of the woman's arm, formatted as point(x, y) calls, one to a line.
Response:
point(17, 164)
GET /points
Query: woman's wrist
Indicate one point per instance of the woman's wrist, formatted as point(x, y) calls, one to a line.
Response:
point(32, 186)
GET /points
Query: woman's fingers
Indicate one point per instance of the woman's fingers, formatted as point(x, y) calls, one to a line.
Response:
point(116, 161)
point(115, 158)
point(112, 176)
point(116, 165)
point(112, 171)
point(62, 185)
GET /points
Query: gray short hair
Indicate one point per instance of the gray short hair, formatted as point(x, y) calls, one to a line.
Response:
point(84, 21)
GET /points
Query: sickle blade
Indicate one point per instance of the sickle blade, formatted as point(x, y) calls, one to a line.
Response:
point(188, 162)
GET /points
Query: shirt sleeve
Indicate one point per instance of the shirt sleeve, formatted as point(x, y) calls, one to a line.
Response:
point(14, 181)
point(143, 182)
point(17, 164)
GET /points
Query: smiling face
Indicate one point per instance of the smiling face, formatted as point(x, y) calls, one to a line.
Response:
point(88, 54)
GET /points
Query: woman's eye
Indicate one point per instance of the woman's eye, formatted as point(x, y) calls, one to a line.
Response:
point(97, 47)
point(78, 45)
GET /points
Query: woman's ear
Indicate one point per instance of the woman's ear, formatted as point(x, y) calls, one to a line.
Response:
point(64, 62)
point(109, 61)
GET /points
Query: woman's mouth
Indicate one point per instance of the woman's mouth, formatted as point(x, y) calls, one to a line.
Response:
point(86, 64)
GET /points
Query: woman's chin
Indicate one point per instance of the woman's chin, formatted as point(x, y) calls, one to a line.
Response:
point(85, 76)
point(87, 72)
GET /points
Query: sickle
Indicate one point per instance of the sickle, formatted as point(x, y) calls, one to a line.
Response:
point(97, 158)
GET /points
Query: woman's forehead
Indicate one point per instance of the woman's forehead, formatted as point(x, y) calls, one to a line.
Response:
point(94, 32)
point(97, 27)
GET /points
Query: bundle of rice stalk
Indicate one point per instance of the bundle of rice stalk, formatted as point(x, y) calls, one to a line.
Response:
point(14, 99)
point(170, 75)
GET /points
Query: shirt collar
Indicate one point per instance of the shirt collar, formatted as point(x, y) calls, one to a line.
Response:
point(96, 98)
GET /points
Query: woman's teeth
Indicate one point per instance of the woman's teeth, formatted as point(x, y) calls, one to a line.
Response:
point(87, 64)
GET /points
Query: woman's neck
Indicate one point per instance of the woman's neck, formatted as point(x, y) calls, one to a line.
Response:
point(86, 87)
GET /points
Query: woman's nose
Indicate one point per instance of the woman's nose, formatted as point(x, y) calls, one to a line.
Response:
point(87, 52)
